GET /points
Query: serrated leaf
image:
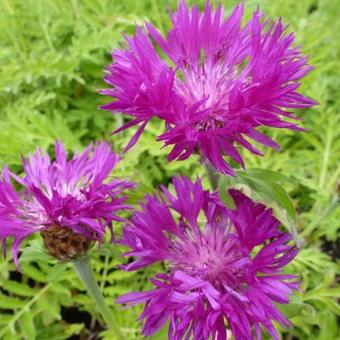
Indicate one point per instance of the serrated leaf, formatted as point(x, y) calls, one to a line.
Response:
point(7, 302)
point(34, 273)
point(27, 322)
point(18, 288)
point(50, 308)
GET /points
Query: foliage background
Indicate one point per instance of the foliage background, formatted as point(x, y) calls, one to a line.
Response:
point(52, 57)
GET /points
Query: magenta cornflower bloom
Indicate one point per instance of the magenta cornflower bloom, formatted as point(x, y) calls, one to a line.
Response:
point(221, 81)
point(70, 202)
point(223, 266)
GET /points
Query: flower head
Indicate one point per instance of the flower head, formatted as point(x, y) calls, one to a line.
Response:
point(220, 82)
point(223, 266)
point(70, 202)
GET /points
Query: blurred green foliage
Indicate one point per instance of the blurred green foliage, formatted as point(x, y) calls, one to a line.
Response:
point(52, 57)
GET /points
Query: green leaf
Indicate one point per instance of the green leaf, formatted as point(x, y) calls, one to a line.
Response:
point(18, 288)
point(268, 175)
point(223, 185)
point(34, 273)
point(330, 326)
point(35, 251)
point(264, 186)
point(5, 319)
point(296, 308)
point(50, 308)
point(55, 273)
point(7, 302)
point(27, 321)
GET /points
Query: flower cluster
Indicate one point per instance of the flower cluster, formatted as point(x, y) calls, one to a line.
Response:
point(223, 266)
point(220, 82)
point(67, 201)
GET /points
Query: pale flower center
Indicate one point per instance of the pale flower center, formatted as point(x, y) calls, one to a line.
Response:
point(215, 258)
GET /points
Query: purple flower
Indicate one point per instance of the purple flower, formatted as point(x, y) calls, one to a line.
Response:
point(220, 82)
point(70, 202)
point(224, 267)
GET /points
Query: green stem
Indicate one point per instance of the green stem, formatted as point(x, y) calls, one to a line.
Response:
point(212, 174)
point(83, 269)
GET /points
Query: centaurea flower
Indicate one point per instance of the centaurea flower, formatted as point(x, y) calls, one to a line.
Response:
point(221, 80)
point(223, 266)
point(70, 202)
